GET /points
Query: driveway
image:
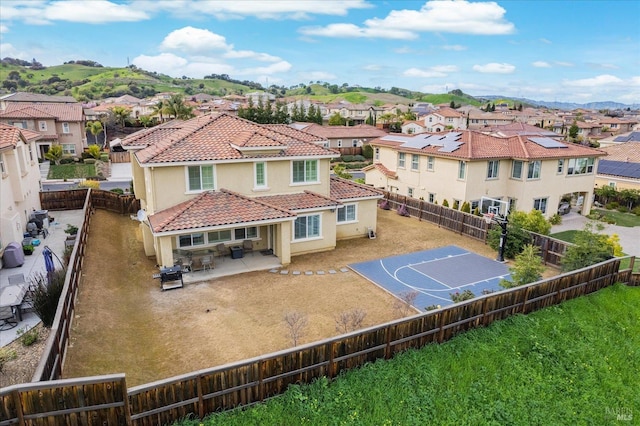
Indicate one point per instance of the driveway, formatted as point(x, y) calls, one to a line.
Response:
point(629, 237)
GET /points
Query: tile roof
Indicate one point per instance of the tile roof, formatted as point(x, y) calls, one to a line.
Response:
point(31, 111)
point(382, 169)
point(476, 146)
point(343, 189)
point(518, 128)
point(11, 135)
point(299, 201)
point(627, 151)
point(219, 136)
point(448, 112)
point(211, 209)
point(36, 97)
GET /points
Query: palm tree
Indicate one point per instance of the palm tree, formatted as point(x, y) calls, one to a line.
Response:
point(95, 128)
point(158, 109)
point(175, 107)
point(121, 114)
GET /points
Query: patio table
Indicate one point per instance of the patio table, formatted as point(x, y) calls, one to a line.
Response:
point(13, 295)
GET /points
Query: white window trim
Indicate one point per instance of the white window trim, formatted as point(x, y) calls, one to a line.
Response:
point(431, 160)
point(317, 181)
point(208, 243)
point(462, 166)
point(300, 240)
point(403, 161)
point(539, 169)
point(355, 214)
point(42, 126)
point(69, 153)
point(256, 186)
point(66, 129)
point(198, 191)
point(513, 165)
point(546, 204)
point(415, 165)
point(497, 169)
point(561, 171)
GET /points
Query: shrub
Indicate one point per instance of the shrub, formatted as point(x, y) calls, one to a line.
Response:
point(46, 295)
point(347, 158)
point(28, 337)
point(556, 219)
point(104, 157)
point(456, 204)
point(636, 211)
point(71, 230)
point(612, 205)
point(623, 209)
point(466, 207)
point(117, 191)
point(86, 183)
point(67, 160)
point(432, 307)
point(367, 151)
point(445, 203)
point(460, 297)
point(89, 160)
point(359, 158)
point(517, 239)
point(6, 355)
point(94, 151)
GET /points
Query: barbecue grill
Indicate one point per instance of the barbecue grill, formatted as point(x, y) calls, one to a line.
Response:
point(170, 277)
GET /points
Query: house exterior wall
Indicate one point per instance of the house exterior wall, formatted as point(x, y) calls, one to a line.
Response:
point(366, 217)
point(619, 182)
point(326, 241)
point(19, 191)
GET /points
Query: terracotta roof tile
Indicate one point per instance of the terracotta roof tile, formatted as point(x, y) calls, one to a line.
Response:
point(60, 111)
point(382, 169)
point(299, 201)
point(333, 132)
point(11, 135)
point(628, 151)
point(215, 137)
point(343, 189)
point(211, 209)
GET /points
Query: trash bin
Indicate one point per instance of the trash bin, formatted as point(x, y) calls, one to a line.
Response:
point(237, 252)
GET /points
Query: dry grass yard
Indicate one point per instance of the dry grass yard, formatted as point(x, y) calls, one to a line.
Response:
point(124, 323)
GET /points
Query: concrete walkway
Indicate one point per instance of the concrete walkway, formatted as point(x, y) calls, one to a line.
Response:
point(629, 237)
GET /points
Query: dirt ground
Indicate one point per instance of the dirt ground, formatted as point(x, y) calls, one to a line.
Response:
point(124, 323)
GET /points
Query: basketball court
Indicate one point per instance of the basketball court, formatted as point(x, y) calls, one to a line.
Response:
point(434, 274)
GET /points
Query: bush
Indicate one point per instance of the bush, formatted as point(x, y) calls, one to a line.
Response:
point(460, 297)
point(556, 219)
point(466, 207)
point(636, 211)
point(67, 160)
point(445, 203)
point(71, 230)
point(6, 355)
point(117, 191)
point(89, 160)
point(623, 209)
point(46, 295)
point(612, 205)
point(360, 158)
point(367, 151)
point(517, 239)
point(104, 157)
point(347, 158)
point(27, 337)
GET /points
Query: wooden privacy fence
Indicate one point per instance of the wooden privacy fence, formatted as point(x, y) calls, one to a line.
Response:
point(74, 199)
point(551, 249)
point(254, 380)
point(119, 157)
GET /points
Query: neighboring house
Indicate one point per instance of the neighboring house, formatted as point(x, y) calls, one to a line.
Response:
point(479, 119)
point(529, 172)
point(621, 167)
point(346, 139)
point(520, 129)
point(616, 125)
point(58, 123)
point(444, 119)
point(357, 113)
point(219, 178)
point(620, 139)
point(19, 182)
point(413, 127)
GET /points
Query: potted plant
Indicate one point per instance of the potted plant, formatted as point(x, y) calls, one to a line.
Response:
point(27, 249)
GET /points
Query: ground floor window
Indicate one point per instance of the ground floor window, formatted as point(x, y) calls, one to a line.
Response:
point(347, 213)
point(215, 237)
point(432, 197)
point(69, 149)
point(245, 233)
point(306, 227)
point(540, 204)
point(191, 240)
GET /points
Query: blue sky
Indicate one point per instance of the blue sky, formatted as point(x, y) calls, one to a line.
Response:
point(570, 51)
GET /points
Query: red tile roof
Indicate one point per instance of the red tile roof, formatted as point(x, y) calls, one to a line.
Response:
point(299, 201)
point(382, 169)
point(220, 136)
point(211, 209)
point(628, 152)
point(336, 132)
point(11, 135)
point(51, 110)
point(343, 189)
point(477, 146)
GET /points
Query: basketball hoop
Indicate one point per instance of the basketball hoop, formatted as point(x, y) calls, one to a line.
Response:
point(488, 217)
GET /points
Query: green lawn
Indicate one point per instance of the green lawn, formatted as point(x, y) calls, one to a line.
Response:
point(577, 363)
point(620, 219)
point(567, 236)
point(71, 171)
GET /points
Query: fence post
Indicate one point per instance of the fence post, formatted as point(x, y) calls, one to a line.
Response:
point(125, 399)
point(260, 381)
point(524, 302)
point(387, 350)
point(441, 333)
point(331, 368)
point(461, 222)
point(420, 210)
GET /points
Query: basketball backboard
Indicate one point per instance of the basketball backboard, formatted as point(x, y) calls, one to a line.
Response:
point(499, 208)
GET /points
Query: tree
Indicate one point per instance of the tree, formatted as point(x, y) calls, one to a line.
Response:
point(95, 128)
point(526, 269)
point(466, 207)
point(605, 193)
point(573, 131)
point(175, 107)
point(146, 121)
point(340, 171)
point(158, 109)
point(629, 196)
point(589, 247)
point(337, 120)
point(295, 322)
point(121, 114)
point(54, 154)
point(94, 151)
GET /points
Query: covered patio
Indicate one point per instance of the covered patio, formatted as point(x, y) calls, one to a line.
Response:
point(225, 266)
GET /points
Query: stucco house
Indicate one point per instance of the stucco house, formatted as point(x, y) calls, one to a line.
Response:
point(220, 179)
point(621, 167)
point(58, 120)
point(443, 119)
point(528, 172)
point(19, 182)
point(343, 138)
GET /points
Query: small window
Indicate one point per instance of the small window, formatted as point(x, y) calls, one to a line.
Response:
point(219, 236)
point(305, 171)
point(516, 170)
point(347, 213)
point(462, 169)
point(415, 162)
point(560, 167)
point(42, 125)
point(354, 143)
point(339, 143)
point(432, 197)
point(245, 233)
point(305, 227)
point(534, 170)
point(401, 160)
point(2, 168)
point(611, 184)
point(540, 204)
point(410, 192)
point(430, 162)
point(200, 178)
point(260, 173)
point(191, 240)
point(69, 149)
point(65, 128)
point(492, 169)
point(377, 153)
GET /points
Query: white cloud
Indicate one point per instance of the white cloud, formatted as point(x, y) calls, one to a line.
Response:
point(93, 12)
point(564, 64)
point(415, 72)
point(174, 65)
point(282, 66)
point(249, 54)
point(445, 68)
point(3, 29)
point(194, 41)
point(545, 41)
point(596, 65)
point(495, 68)
point(635, 81)
point(455, 47)
point(372, 67)
point(460, 17)
point(599, 81)
point(9, 50)
point(541, 64)
point(317, 76)
point(403, 50)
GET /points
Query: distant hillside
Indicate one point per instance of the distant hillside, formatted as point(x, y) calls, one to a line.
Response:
point(569, 105)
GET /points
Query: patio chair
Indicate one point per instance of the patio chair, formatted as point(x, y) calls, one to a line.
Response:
point(221, 251)
point(206, 262)
point(7, 318)
point(247, 246)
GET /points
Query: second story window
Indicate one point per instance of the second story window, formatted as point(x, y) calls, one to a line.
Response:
point(516, 169)
point(200, 178)
point(462, 169)
point(430, 162)
point(580, 166)
point(377, 154)
point(260, 174)
point(401, 160)
point(415, 162)
point(560, 167)
point(65, 128)
point(492, 169)
point(534, 169)
point(305, 171)
point(42, 125)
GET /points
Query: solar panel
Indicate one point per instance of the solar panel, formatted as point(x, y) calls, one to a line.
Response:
point(619, 168)
point(450, 146)
point(548, 142)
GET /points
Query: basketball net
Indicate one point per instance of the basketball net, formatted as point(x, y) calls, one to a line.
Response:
point(488, 217)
